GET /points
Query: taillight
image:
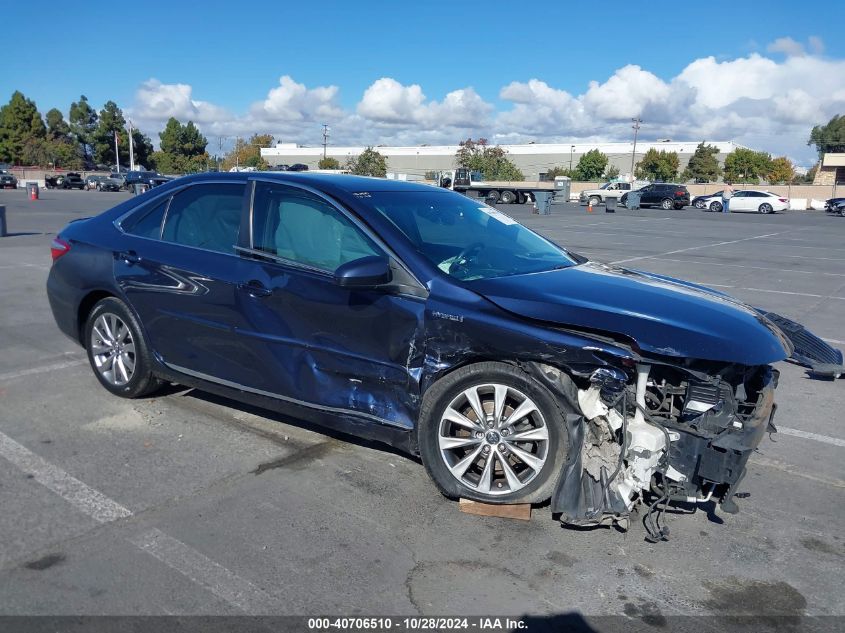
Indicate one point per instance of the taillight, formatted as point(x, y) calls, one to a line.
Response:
point(58, 247)
point(784, 199)
point(680, 192)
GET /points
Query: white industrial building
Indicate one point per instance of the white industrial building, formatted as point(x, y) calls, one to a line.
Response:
point(533, 159)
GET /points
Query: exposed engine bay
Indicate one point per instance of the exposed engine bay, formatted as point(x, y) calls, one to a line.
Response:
point(658, 434)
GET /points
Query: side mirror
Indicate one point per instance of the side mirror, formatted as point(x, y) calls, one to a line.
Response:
point(367, 272)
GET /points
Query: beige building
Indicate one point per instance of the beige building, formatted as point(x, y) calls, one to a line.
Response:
point(831, 171)
point(532, 159)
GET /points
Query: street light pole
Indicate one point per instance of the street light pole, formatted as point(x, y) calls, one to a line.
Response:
point(325, 138)
point(131, 149)
point(571, 152)
point(636, 127)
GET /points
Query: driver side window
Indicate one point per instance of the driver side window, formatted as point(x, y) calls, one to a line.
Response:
point(298, 226)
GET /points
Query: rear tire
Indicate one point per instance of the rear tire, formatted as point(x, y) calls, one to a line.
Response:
point(716, 207)
point(508, 197)
point(765, 208)
point(667, 204)
point(453, 452)
point(492, 196)
point(117, 350)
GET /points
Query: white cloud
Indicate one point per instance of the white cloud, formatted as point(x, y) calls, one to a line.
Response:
point(387, 101)
point(787, 46)
point(816, 44)
point(755, 100)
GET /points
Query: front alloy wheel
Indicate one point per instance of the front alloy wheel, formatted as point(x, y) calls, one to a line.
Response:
point(491, 433)
point(493, 438)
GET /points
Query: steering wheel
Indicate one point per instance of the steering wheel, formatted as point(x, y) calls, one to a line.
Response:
point(463, 258)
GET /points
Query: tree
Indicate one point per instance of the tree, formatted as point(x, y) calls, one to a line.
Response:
point(659, 166)
point(703, 165)
point(182, 149)
point(746, 165)
point(611, 172)
point(781, 171)
point(21, 130)
point(248, 153)
point(110, 121)
point(328, 163)
point(830, 137)
point(492, 162)
point(83, 123)
point(552, 173)
point(368, 163)
point(590, 166)
point(60, 147)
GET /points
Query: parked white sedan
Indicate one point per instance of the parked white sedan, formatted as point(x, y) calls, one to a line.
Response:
point(751, 201)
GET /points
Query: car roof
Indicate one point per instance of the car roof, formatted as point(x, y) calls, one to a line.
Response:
point(346, 183)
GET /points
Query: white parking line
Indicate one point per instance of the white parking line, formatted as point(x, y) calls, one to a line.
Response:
point(205, 572)
point(695, 248)
point(42, 370)
point(834, 341)
point(91, 502)
point(197, 567)
point(779, 270)
point(824, 439)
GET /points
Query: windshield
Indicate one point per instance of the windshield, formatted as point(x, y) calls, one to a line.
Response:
point(465, 238)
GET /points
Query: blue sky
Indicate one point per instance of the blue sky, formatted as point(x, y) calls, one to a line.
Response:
point(230, 56)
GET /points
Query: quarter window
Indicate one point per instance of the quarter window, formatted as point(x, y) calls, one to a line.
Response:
point(301, 227)
point(205, 216)
point(147, 223)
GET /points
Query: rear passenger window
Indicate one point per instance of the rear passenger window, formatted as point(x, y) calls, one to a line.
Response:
point(147, 224)
point(205, 216)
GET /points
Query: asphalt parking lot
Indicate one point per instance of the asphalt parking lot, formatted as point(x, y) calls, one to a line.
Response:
point(206, 506)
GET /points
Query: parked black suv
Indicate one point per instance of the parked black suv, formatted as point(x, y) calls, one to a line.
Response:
point(149, 178)
point(665, 195)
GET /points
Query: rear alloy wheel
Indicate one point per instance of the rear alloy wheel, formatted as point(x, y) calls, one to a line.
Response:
point(716, 207)
point(508, 197)
point(667, 204)
point(117, 350)
point(765, 208)
point(490, 433)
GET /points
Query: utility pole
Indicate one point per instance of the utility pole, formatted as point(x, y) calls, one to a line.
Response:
point(571, 151)
point(219, 150)
point(325, 138)
point(131, 148)
point(636, 127)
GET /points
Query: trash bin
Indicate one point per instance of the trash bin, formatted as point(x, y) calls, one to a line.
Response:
point(563, 187)
point(3, 232)
point(32, 190)
point(633, 200)
point(610, 204)
point(543, 202)
point(140, 188)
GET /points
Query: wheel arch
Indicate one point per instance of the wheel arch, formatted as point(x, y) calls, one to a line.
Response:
point(85, 306)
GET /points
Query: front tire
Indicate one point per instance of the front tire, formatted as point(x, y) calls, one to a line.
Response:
point(594, 200)
point(489, 432)
point(118, 353)
point(699, 204)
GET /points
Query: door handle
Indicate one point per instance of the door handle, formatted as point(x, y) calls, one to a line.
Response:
point(130, 257)
point(255, 288)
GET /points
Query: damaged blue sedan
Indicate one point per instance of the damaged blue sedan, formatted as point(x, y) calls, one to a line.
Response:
point(518, 371)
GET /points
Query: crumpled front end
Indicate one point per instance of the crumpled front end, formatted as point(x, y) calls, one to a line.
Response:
point(656, 434)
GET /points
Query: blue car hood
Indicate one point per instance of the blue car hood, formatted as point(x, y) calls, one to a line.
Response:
point(662, 315)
